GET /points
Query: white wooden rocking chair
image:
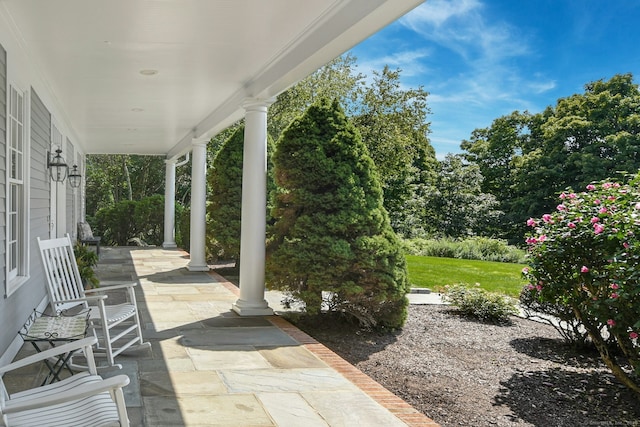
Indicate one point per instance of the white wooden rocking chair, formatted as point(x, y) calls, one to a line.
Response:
point(81, 400)
point(117, 325)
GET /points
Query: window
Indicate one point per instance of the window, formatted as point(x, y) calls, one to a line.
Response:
point(16, 261)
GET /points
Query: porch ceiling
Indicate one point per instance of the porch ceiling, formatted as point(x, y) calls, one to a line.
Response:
point(209, 55)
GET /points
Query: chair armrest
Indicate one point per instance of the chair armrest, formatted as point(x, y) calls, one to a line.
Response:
point(52, 352)
point(91, 298)
point(76, 393)
point(107, 288)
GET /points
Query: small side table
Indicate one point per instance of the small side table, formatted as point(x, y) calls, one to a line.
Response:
point(61, 328)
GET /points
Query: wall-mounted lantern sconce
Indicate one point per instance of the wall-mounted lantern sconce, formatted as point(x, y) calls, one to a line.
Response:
point(58, 168)
point(74, 177)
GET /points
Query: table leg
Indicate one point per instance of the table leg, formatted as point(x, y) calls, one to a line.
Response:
point(56, 368)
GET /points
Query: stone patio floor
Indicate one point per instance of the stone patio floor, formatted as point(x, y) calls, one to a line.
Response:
point(207, 366)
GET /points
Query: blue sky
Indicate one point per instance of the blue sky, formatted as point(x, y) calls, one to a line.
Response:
point(482, 59)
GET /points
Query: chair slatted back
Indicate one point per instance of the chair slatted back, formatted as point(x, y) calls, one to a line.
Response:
point(61, 270)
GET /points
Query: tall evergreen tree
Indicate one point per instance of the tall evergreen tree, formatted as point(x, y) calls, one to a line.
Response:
point(225, 197)
point(332, 232)
point(224, 208)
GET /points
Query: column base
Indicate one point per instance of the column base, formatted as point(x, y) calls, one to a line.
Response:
point(197, 267)
point(169, 245)
point(243, 308)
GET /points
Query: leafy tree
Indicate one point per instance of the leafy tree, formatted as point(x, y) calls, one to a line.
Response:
point(527, 159)
point(393, 124)
point(113, 178)
point(335, 80)
point(332, 232)
point(460, 208)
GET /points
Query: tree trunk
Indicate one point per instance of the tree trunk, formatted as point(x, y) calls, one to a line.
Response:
point(127, 177)
point(600, 344)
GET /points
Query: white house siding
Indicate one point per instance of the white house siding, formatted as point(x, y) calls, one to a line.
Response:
point(3, 177)
point(15, 309)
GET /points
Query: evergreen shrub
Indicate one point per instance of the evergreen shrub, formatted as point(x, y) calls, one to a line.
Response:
point(478, 303)
point(332, 245)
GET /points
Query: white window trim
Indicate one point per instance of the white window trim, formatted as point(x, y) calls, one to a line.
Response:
point(14, 283)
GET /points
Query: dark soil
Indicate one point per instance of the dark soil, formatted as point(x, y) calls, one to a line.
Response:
point(460, 372)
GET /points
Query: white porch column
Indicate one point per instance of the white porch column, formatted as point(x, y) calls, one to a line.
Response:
point(169, 204)
point(198, 206)
point(254, 207)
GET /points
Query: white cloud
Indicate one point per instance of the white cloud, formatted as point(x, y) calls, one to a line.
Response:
point(412, 63)
point(543, 86)
point(487, 50)
point(437, 12)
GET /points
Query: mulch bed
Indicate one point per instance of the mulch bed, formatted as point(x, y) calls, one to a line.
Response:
point(461, 372)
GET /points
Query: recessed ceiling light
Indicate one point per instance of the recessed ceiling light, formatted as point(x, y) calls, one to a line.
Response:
point(137, 110)
point(149, 72)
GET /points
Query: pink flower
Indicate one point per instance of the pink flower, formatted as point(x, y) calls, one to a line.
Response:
point(614, 286)
point(595, 219)
point(531, 240)
point(591, 187)
point(596, 202)
point(603, 210)
point(532, 222)
point(563, 196)
point(612, 198)
point(538, 288)
point(571, 225)
point(584, 269)
point(606, 185)
point(561, 207)
point(525, 270)
point(572, 195)
point(546, 218)
point(530, 287)
point(616, 185)
point(626, 245)
point(542, 238)
point(637, 206)
point(633, 335)
point(614, 295)
point(598, 228)
point(611, 322)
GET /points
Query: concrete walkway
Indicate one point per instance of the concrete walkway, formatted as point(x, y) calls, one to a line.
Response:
point(210, 367)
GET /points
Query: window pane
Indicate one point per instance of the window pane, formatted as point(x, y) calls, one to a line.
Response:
point(13, 224)
point(13, 252)
point(14, 133)
point(14, 172)
point(20, 108)
point(14, 102)
point(20, 138)
point(13, 207)
point(19, 166)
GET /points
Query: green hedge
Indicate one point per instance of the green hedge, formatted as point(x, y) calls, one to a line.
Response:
point(477, 248)
point(128, 219)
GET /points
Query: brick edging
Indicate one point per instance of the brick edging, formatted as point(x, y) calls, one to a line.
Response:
point(401, 409)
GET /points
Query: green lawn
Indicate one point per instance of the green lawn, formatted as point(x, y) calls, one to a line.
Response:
point(434, 273)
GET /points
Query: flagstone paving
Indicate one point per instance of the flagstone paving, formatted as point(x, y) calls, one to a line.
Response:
point(207, 366)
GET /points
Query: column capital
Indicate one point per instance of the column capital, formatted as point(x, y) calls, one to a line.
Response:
point(199, 142)
point(170, 161)
point(257, 104)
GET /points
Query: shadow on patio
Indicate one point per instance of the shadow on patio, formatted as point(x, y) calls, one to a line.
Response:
point(209, 366)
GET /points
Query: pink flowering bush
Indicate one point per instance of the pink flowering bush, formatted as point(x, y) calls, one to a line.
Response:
point(586, 257)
